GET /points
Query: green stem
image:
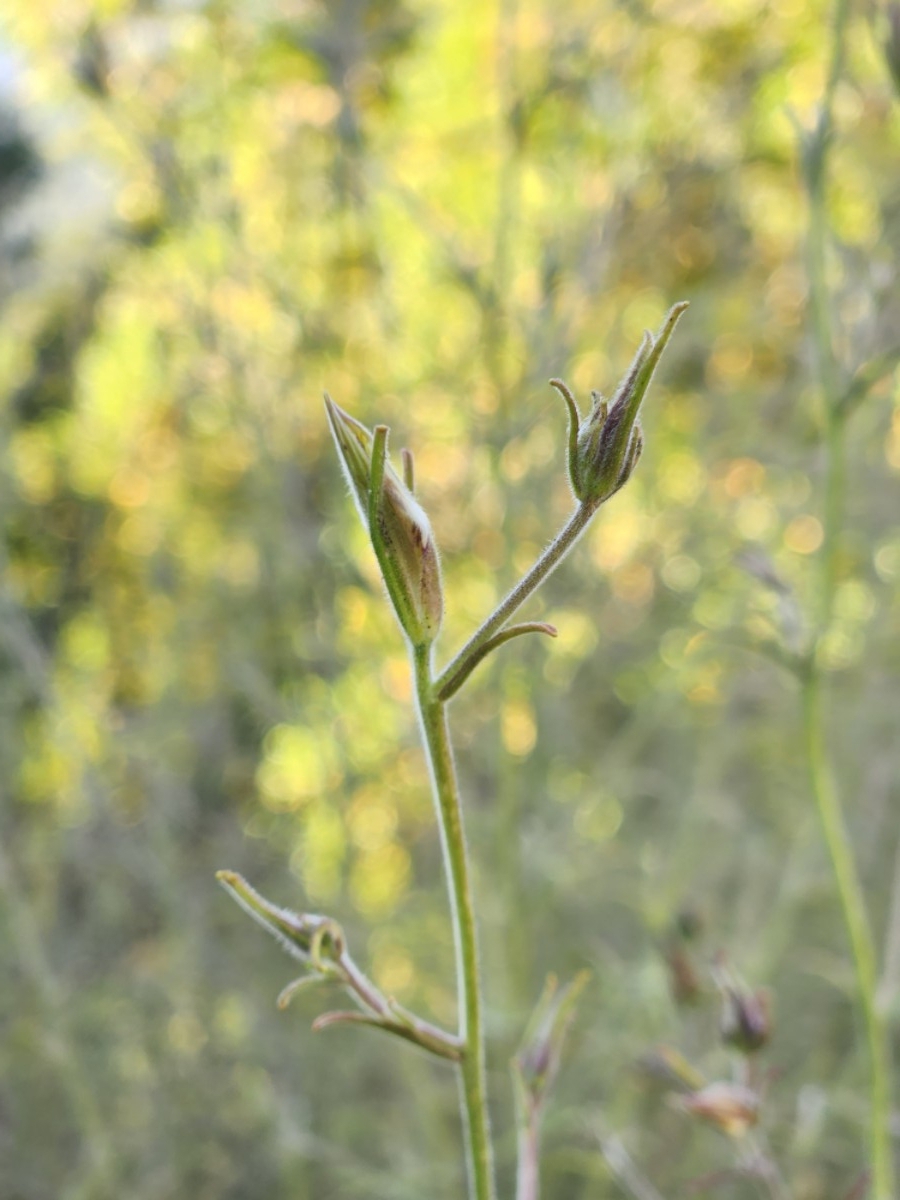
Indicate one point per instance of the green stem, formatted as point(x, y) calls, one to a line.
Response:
point(448, 681)
point(853, 904)
point(821, 772)
point(436, 736)
point(832, 517)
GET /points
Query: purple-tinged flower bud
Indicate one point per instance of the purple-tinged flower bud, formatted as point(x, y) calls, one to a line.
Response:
point(536, 1065)
point(745, 1021)
point(604, 448)
point(397, 524)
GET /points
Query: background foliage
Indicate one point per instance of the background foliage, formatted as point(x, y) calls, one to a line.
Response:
point(209, 212)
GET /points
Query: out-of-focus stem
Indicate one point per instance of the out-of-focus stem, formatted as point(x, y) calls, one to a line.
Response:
point(57, 1041)
point(889, 988)
point(834, 828)
point(528, 1154)
point(821, 772)
point(436, 736)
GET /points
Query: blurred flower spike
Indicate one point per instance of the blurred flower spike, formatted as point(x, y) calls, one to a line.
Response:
point(536, 1065)
point(398, 526)
point(605, 447)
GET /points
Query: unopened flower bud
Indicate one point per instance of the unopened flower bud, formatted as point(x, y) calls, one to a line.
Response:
point(537, 1062)
point(397, 524)
point(604, 448)
point(746, 1020)
point(731, 1107)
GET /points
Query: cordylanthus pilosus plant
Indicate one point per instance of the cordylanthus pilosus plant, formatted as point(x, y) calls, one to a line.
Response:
point(603, 450)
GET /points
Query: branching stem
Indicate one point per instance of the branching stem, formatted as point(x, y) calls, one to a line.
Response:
point(461, 665)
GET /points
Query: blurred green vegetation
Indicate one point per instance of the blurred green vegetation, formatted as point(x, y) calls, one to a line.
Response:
point(210, 212)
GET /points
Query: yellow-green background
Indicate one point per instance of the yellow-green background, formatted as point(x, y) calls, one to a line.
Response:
point(428, 207)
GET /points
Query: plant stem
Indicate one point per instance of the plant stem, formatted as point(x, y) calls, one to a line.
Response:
point(436, 737)
point(853, 904)
point(889, 988)
point(548, 561)
point(528, 1177)
point(821, 772)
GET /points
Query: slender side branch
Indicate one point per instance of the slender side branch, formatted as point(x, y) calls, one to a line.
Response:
point(319, 943)
point(474, 650)
point(534, 1071)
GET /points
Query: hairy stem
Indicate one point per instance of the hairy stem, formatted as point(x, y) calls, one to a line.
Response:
point(447, 682)
point(528, 1177)
point(436, 737)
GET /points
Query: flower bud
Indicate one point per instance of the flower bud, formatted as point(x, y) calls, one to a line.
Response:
point(746, 1019)
point(397, 524)
point(537, 1062)
point(604, 448)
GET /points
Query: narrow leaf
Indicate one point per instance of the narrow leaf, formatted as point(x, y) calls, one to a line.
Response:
point(455, 682)
point(304, 984)
point(295, 931)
